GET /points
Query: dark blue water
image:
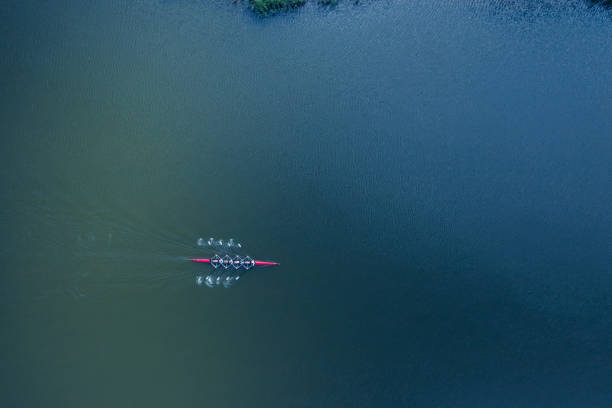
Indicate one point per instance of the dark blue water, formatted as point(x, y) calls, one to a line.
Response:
point(434, 178)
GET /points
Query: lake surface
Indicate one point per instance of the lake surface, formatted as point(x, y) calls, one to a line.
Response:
point(433, 176)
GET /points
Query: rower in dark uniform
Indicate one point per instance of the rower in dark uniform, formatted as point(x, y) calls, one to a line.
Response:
point(237, 261)
point(248, 263)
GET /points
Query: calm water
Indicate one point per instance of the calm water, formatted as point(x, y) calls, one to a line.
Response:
point(434, 177)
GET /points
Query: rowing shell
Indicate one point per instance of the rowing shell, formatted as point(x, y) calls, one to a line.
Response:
point(236, 262)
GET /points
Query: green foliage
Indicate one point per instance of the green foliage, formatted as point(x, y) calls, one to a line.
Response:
point(265, 7)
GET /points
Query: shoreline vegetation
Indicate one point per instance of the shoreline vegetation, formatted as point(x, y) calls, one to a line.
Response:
point(268, 7)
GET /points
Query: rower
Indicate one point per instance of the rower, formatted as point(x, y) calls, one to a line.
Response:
point(237, 262)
